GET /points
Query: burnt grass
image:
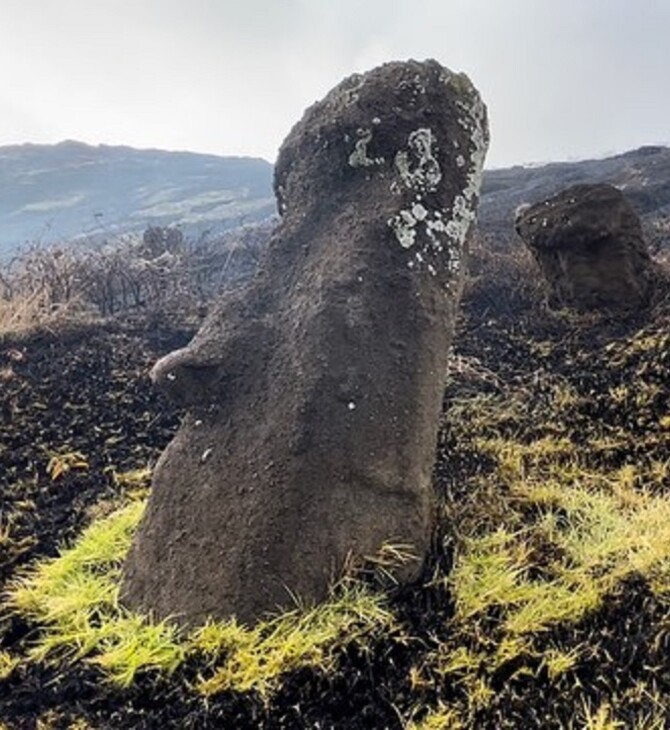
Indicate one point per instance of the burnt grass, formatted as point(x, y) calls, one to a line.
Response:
point(86, 390)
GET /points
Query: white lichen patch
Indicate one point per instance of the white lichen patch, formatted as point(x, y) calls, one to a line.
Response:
point(359, 157)
point(419, 211)
point(409, 223)
point(418, 85)
point(458, 225)
point(436, 235)
point(351, 94)
point(420, 172)
point(463, 211)
point(404, 227)
point(474, 122)
point(281, 198)
point(417, 166)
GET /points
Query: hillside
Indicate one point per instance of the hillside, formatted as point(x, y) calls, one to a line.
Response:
point(50, 193)
point(643, 175)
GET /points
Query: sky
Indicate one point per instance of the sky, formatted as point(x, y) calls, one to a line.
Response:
point(563, 79)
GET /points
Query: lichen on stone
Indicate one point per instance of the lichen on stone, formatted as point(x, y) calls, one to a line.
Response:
point(463, 209)
point(359, 157)
point(351, 94)
point(418, 168)
point(445, 230)
point(419, 211)
point(403, 226)
point(437, 233)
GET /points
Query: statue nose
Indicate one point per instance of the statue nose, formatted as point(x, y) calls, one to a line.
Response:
point(185, 379)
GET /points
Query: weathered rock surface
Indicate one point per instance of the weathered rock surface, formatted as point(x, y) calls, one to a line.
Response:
point(313, 395)
point(588, 242)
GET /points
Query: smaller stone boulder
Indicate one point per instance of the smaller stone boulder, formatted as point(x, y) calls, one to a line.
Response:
point(588, 242)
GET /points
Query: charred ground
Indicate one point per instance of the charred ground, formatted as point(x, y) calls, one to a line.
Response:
point(534, 395)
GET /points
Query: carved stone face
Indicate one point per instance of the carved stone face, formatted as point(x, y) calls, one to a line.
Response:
point(416, 131)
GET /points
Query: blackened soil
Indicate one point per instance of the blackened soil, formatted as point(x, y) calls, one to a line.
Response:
point(85, 391)
point(88, 391)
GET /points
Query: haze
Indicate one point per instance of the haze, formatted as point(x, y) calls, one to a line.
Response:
point(562, 80)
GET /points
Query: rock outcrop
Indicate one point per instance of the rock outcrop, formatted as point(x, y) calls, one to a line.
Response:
point(588, 242)
point(313, 395)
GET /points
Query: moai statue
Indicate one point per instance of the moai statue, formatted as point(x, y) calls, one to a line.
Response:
point(313, 395)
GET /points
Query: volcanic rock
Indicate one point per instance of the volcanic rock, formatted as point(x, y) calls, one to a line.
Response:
point(589, 244)
point(313, 395)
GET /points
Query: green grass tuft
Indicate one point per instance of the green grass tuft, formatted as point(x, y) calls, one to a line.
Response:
point(257, 658)
point(74, 599)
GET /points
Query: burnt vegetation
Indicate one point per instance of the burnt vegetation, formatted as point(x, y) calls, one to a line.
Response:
point(546, 599)
point(161, 271)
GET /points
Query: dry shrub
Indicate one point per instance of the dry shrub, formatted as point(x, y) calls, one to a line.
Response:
point(29, 312)
point(19, 314)
point(29, 302)
point(161, 272)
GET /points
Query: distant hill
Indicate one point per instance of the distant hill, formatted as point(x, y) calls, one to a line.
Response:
point(643, 175)
point(51, 193)
point(59, 192)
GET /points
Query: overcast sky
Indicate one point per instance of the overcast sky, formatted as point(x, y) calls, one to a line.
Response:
point(563, 79)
